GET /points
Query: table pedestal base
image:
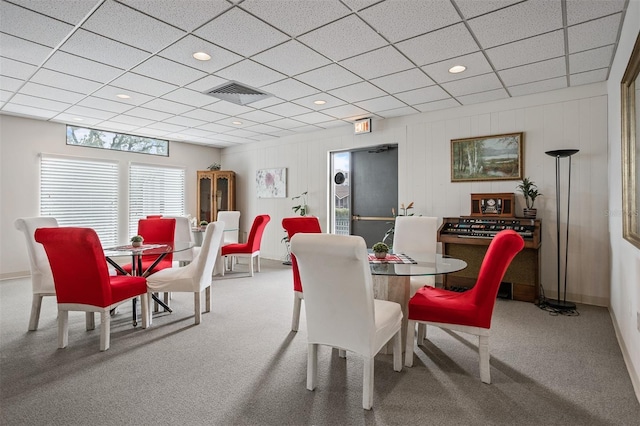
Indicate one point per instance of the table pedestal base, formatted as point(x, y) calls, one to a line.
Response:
point(395, 289)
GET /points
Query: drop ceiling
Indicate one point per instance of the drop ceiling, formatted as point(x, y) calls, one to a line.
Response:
point(68, 60)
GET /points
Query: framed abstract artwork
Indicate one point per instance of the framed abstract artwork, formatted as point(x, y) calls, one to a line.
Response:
point(497, 157)
point(271, 183)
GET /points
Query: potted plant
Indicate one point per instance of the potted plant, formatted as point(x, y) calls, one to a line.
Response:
point(380, 250)
point(302, 209)
point(530, 192)
point(203, 224)
point(137, 240)
point(404, 211)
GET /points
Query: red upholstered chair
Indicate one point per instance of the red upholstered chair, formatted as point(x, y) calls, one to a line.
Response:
point(156, 231)
point(251, 248)
point(470, 311)
point(82, 280)
point(293, 225)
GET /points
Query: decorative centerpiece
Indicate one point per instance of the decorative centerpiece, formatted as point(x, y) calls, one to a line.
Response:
point(380, 250)
point(137, 240)
point(530, 192)
point(214, 167)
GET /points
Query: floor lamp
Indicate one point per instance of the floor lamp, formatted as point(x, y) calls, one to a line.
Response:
point(562, 305)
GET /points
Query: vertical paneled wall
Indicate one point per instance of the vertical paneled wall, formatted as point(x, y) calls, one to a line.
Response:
point(570, 118)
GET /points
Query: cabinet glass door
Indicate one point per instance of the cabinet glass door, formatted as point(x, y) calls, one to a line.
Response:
point(204, 198)
point(222, 193)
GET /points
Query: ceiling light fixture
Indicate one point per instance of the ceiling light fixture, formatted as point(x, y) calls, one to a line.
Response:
point(77, 119)
point(123, 96)
point(319, 102)
point(457, 69)
point(201, 56)
point(236, 122)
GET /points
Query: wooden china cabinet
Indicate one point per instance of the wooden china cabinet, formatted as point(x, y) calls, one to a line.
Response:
point(216, 192)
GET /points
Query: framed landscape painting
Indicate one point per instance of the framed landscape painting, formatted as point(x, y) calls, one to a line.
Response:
point(497, 157)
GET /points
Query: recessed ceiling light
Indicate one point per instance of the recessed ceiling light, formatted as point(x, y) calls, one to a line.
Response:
point(457, 68)
point(236, 122)
point(77, 119)
point(319, 102)
point(201, 56)
point(123, 96)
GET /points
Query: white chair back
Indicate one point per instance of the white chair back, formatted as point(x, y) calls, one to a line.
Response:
point(210, 250)
point(338, 300)
point(231, 221)
point(41, 276)
point(417, 237)
point(182, 233)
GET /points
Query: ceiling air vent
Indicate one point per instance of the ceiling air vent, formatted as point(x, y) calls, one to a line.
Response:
point(237, 93)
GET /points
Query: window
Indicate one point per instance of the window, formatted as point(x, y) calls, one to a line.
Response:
point(116, 141)
point(81, 192)
point(154, 190)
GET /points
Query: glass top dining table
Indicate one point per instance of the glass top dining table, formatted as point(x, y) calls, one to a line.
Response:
point(438, 264)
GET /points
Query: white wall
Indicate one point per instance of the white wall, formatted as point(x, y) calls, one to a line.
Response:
point(22, 139)
point(570, 118)
point(625, 258)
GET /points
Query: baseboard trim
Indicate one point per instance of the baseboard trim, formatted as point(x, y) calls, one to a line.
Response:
point(633, 374)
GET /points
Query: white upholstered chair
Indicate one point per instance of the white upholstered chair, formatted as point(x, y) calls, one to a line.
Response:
point(183, 233)
point(340, 309)
point(417, 237)
point(231, 219)
point(41, 276)
point(194, 277)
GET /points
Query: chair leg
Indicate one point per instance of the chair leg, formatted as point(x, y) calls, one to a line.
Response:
point(397, 351)
point(408, 355)
point(422, 333)
point(150, 303)
point(36, 304)
point(483, 349)
point(258, 262)
point(297, 303)
point(312, 366)
point(367, 383)
point(105, 330)
point(342, 353)
point(144, 310)
point(207, 299)
point(197, 307)
point(63, 329)
point(90, 319)
point(251, 265)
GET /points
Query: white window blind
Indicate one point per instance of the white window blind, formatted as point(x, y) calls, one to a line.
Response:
point(154, 190)
point(81, 192)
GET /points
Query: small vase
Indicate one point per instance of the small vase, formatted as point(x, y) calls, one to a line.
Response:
point(136, 243)
point(530, 213)
point(381, 254)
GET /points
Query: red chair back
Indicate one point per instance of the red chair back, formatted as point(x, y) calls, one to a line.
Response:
point(80, 272)
point(294, 225)
point(255, 234)
point(157, 231)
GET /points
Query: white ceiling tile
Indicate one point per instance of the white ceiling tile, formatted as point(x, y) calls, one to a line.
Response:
point(400, 19)
point(32, 101)
point(286, 123)
point(516, 22)
point(65, 81)
point(590, 59)
point(381, 104)
point(198, 132)
point(41, 29)
point(357, 5)
point(539, 86)
point(104, 104)
point(259, 116)
point(283, 133)
point(442, 44)
point(421, 96)
point(534, 72)
point(227, 108)
point(131, 27)
point(182, 52)
point(166, 127)
point(488, 96)
point(584, 10)
point(303, 17)
point(357, 92)
point(101, 49)
point(81, 67)
point(287, 109)
point(69, 11)
point(185, 14)
point(333, 123)
point(229, 121)
point(251, 73)
point(279, 58)
point(589, 77)
point(149, 114)
point(16, 69)
point(472, 8)
point(76, 120)
point(403, 81)
point(267, 102)
point(184, 121)
point(206, 84)
point(111, 93)
point(330, 101)
point(329, 77)
point(81, 111)
point(28, 111)
point(386, 60)
point(10, 83)
point(480, 83)
point(168, 71)
point(263, 128)
point(345, 111)
point(141, 84)
point(534, 49)
point(132, 121)
point(117, 127)
point(313, 117)
point(5, 95)
point(397, 112)
point(23, 50)
point(47, 92)
point(167, 106)
point(242, 133)
point(240, 32)
point(153, 132)
point(189, 97)
point(592, 34)
point(476, 64)
point(215, 127)
point(437, 105)
point(344, 38)
point(308, 128)
point(289, 89)
point(204, 115)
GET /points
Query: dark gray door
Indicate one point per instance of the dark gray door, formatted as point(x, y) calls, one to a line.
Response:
point(374, 191)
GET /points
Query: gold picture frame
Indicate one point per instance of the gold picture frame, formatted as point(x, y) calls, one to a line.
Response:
point(495, 157)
